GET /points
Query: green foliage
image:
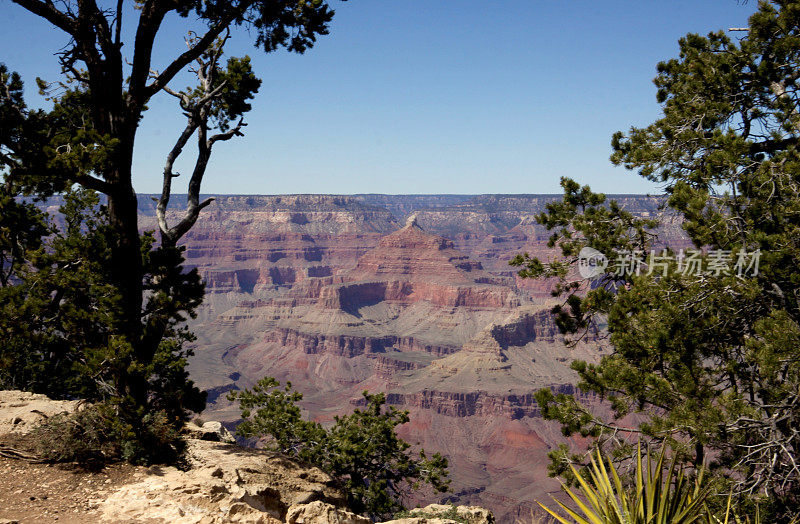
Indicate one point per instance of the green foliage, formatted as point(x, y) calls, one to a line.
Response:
point(59, 302)
point(582, 219)
point(362, 449)
point(653, 493)
point(76, 147)
point(278, 416)
point(22, 226)
point(235, 85)
point(23, 136)
point(95, 435)
point(59, 322)
point(58, 327)
point(604, 495)
point(293, 24)
point(707, 361)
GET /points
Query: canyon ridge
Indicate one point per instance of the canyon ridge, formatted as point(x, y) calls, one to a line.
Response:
point(411, 295)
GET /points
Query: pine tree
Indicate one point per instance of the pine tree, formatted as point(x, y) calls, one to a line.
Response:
point(138, 294)
point(709, 359)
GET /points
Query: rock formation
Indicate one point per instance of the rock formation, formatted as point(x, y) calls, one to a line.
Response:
point(458, 346)
point(21, 411)
point(227, 483)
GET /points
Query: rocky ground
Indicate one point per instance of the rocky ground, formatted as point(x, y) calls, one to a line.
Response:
point(224, 483)
point(55, 493)
point(36, 492)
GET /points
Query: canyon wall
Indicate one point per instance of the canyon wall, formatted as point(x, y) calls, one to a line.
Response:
point(407, 294)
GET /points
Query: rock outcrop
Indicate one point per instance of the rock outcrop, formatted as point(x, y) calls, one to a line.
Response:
point(227, 483)
point(322, 513)
point(21, 411)
point(467, 514)
point(223, 483)
point(417, 254)
point(212, 431)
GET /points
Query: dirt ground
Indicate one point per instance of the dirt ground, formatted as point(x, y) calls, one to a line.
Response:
point(63, 493)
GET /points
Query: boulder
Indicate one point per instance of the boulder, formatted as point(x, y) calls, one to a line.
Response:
point(319, 512)
point(226, 483)
point(212, 431)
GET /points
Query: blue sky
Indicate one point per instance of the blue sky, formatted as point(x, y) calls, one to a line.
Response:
point(433, 96)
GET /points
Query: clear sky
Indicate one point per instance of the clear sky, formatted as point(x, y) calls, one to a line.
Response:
point(437, 96)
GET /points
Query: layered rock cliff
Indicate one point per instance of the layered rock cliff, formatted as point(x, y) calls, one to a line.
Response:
point(419, 319)
point(409, 294)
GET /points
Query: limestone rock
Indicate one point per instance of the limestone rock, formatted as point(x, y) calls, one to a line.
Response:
point(441, 513)
point(21, 411)
point(319, 512)
point(411, 221)
point(470, 514)
point(212, 431)
point(225, 484)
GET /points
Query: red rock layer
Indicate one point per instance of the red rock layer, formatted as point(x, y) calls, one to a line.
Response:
point(416, 255)
point(350, 297)
point(474, 403)
point(350, 346)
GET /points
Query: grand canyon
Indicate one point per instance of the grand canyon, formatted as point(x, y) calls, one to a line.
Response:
point(362, 312)
point(411, 295)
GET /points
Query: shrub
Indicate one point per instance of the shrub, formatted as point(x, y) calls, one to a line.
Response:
point(85, 436)
point(655, 494)
point(361, 450)
point(95, 436)
point(450, 514)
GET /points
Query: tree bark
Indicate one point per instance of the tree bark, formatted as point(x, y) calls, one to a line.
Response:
point(127, 271)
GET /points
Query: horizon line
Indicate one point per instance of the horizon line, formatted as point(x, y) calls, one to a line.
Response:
point(399, 194)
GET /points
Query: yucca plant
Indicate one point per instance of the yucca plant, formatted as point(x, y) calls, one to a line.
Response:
point(659, 495)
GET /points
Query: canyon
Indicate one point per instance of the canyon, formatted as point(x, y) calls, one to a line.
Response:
point(411, 295)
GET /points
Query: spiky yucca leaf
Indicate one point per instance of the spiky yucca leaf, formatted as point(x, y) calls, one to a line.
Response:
point(659, 495)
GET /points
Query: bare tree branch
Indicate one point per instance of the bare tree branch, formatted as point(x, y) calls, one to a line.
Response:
point(193, 53)
point(161, 209)
point(198, 112)
point(48, 11)
point(93, 183)
point(227, 135)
